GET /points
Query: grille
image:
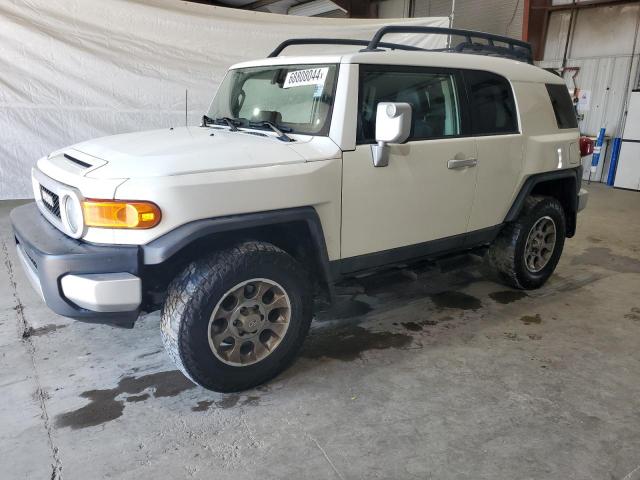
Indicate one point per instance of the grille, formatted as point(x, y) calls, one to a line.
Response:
point(50, 200)
point(27, 254)
point(33, 262)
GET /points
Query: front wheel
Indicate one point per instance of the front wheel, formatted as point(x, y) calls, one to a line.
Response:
point(527, 251)
point(237, 318)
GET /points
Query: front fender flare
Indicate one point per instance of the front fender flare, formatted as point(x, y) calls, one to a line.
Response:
point(161, 249)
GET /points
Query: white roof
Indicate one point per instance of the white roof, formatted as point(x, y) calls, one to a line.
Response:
point(511, 69)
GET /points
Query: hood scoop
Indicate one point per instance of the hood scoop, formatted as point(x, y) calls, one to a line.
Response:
point(77, 161)
point(74, 162)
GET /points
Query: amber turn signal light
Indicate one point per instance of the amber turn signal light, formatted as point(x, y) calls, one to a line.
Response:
point(120, 214)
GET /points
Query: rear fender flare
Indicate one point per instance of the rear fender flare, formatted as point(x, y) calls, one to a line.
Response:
point(575, 174)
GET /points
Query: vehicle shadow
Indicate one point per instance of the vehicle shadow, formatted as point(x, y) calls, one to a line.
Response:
point(395, 309)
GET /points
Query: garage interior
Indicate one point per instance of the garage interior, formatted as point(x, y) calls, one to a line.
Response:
point(426, 371)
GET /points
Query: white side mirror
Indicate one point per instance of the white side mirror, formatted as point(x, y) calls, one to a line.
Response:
point(393, 125)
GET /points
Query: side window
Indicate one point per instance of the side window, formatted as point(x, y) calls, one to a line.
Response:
point(491, 103)
point(562, 106)
point(432, 96)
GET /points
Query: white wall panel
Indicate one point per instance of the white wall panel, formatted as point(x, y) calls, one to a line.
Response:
point(557, 30)
point(604, 31)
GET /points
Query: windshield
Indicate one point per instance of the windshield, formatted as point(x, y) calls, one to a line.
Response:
point(298, 97)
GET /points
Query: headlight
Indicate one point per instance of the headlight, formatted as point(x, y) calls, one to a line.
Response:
point(73, 215)
point(120, 214)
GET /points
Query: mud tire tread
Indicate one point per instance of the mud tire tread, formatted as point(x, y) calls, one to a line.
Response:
point(191, 291)
point(503, 260)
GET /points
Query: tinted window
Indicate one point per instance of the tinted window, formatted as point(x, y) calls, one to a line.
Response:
point(493, 109)
point(562, 106)
point(432, 96)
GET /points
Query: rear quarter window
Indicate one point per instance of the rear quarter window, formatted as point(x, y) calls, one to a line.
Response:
point(493, 109)
point(562, 106)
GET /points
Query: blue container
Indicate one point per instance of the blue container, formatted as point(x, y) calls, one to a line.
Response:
point(595, 158)
point(615, 152)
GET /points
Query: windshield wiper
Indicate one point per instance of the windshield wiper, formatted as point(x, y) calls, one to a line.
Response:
point(232, 123)
point(278, 129)
point(206, 120)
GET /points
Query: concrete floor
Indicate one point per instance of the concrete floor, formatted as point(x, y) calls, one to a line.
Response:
point(417, 374)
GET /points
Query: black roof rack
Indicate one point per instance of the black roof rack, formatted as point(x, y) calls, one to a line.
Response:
point(337, 41)
point(506, 47)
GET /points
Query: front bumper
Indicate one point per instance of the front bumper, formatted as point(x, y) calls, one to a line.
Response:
point(77, 279)
point(583, 197)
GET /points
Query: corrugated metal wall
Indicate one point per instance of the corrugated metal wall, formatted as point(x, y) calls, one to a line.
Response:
point(493, 16)
point(395, 9)
point(601, 45)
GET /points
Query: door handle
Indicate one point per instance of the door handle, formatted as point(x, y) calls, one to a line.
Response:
point(462, 163)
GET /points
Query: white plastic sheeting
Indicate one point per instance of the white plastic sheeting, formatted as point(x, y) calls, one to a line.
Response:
point(72, 70)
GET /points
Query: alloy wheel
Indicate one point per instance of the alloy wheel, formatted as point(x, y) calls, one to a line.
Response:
point(249, 322)
point(540, 244)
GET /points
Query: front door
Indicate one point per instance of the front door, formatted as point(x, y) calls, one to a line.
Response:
point(426, 192)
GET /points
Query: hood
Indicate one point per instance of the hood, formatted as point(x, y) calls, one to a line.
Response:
point(185, 150)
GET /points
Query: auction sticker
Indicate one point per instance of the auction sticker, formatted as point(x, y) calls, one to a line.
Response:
point(310, 76)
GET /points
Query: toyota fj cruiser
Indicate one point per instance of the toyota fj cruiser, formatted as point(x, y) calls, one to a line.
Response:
point(306, 170)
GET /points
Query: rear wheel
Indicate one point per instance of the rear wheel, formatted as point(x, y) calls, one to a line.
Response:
point(237, 318)
point(527, 251)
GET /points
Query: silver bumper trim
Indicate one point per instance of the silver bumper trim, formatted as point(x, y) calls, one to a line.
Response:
point(583, 197)
point(62, 191)
point(103, 292)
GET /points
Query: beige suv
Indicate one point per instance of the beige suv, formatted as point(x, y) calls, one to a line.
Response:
point(307, 170)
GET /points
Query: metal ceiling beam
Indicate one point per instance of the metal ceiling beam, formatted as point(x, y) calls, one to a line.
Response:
point(258, 4)
point(354, 8)
point(534, 25)
point(581, 5)
point(208, 2)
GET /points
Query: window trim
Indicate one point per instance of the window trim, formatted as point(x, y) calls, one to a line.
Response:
point(461, 91)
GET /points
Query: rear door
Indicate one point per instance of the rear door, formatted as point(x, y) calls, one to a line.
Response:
point(426, 191)
point(494, 123)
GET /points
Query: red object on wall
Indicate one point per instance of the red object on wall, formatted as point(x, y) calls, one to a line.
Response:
point(586, 146)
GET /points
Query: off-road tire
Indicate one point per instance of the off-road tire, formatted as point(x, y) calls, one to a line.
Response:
point(505, 258)
point(195, 292)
